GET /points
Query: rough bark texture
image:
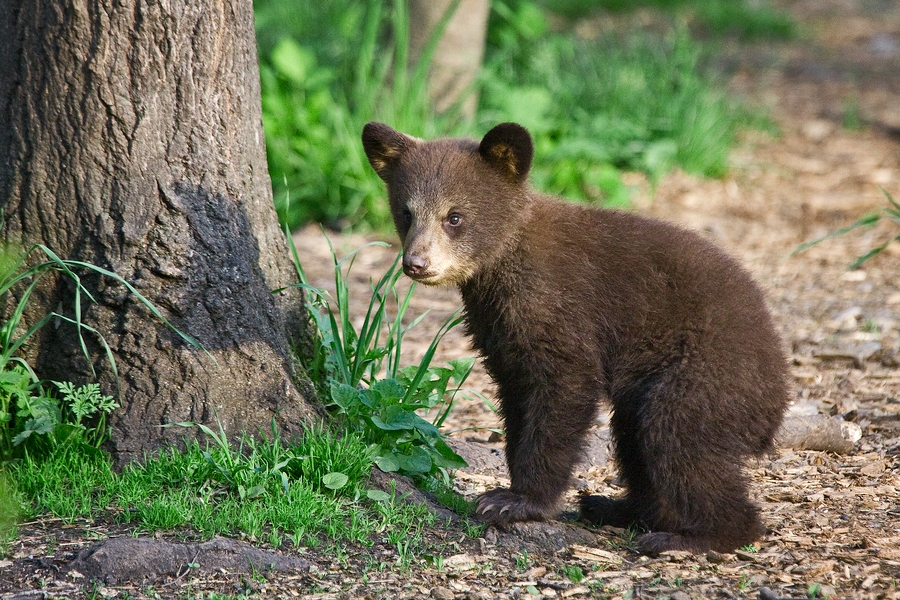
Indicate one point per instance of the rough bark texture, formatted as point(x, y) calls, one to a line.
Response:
point(131, 137)
point(459, 52)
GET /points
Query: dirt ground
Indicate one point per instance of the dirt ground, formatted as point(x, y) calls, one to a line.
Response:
point(833, 519)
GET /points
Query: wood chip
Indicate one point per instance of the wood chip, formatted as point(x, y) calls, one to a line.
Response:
point(595, 555)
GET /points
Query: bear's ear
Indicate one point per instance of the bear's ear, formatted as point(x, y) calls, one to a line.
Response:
point(509, 149)
point(384, 147)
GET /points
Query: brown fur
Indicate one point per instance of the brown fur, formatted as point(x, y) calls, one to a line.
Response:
point(570, 306)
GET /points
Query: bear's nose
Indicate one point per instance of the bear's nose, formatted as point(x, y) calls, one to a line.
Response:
point(414, 264)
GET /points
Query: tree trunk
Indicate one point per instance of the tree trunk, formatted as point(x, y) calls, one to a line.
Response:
point(131, 137)
point(458, 56)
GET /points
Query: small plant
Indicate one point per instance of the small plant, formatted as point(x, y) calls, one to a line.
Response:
point(29, 412)
point(574, 573)
point(446, 496)
point(870, 326)
point(892, 213)
point(852, 118)
point(61, 419)
point(384, 410)
point(9, 510)
point(474, 529)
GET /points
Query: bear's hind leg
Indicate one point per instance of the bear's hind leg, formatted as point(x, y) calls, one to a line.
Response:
point(715, 514)
point(682, 470)
point(699, 498)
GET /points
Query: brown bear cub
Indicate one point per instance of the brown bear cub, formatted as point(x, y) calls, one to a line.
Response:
point(570, 305)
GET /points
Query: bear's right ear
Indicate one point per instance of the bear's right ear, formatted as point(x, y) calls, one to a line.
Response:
point(509, 149)
point(384, 146)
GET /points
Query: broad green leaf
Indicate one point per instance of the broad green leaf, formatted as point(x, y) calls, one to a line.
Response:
point(389, 388)
point(461, 367)
point(378, 496)
point(395, 418)
point(417, 461)
point(345, 396)
point(293, 61)
point(446, 457)
point(370, 398)
point(255, 491)
point(335, 480)
point(388, 463)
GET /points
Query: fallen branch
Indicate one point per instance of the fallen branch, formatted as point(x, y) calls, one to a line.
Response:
point(818, 432)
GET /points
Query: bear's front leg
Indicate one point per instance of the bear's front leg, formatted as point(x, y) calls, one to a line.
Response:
point(544, 439)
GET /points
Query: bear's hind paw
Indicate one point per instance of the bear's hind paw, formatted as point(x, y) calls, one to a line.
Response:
point(652, 544)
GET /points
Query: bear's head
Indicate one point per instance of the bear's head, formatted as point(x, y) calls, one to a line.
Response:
point(458, 204)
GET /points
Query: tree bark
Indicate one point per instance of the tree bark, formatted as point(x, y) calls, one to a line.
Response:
point(131, 137)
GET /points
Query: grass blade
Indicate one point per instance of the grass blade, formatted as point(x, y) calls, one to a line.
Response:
point(865, 220)
point(873, 252)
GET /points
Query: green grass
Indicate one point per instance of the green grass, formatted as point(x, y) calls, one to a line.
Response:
point(328, 68)
point(631, 101)
point(889, 213)
point(263, 490)
point(634, 102)
point(742, 18)
point(305, 493)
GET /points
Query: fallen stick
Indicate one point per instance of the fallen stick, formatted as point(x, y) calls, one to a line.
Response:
point(818, 432)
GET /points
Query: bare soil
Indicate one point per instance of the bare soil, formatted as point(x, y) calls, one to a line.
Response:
point(834, 520)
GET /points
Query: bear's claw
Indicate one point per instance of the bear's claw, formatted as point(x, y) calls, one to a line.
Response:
point(502, 506)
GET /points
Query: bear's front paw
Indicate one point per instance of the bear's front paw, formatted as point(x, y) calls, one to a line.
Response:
point(502, 506)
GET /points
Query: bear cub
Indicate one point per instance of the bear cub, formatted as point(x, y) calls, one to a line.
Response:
point(570, 306)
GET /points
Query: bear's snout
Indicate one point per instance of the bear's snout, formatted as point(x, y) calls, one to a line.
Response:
point(414, 265)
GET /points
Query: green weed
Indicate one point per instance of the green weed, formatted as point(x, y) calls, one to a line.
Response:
point(29, 413)
point(447, 497)
point(635, 102)
point(319, 90)
point(629, 101)
point(891, 212)
point(574, 573)
point(852, 114)
point(740, 18)
point(384, 409)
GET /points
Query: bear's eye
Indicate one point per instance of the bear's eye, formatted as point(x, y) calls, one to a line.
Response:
point(407, 217)
point(454, 220)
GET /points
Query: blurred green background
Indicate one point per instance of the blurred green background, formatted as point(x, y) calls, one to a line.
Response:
point(604, 86)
